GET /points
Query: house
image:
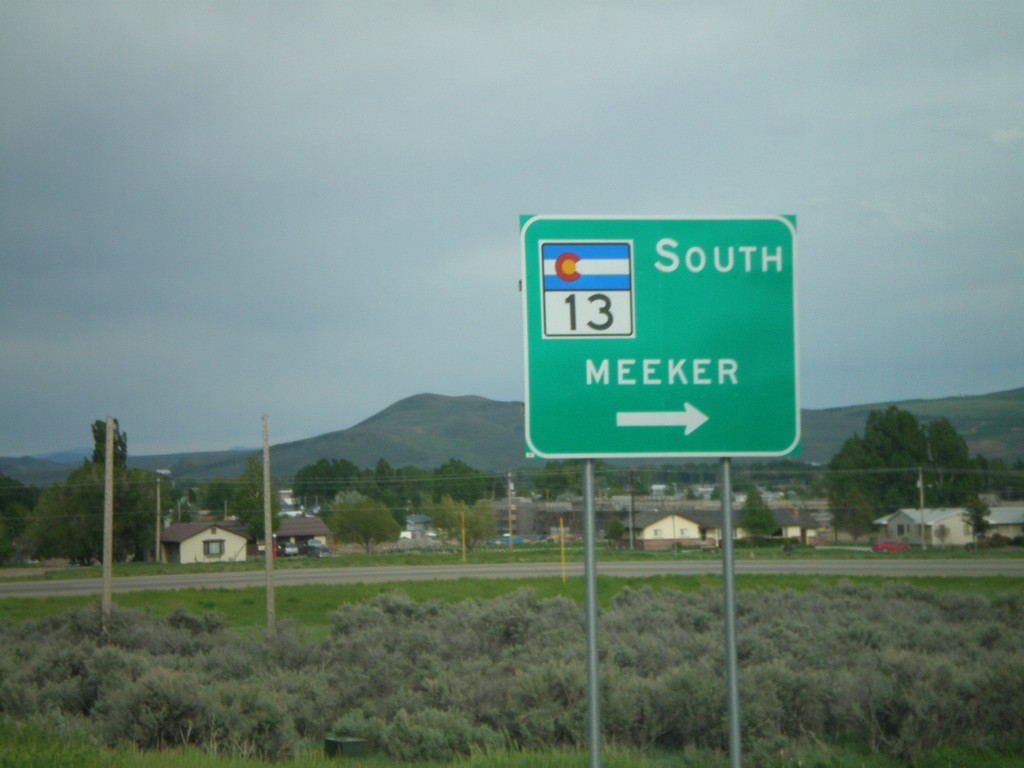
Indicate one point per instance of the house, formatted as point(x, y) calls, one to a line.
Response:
point(693, 527)
point(946, 526)
point(418, 527)
point(661, 530)
point(210, 542)
point(1006, 521)
point(302, 530)
point(798, 524)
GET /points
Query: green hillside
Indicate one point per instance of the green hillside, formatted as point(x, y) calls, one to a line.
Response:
point(992, 425)
point(427, 430)
point(422, 431)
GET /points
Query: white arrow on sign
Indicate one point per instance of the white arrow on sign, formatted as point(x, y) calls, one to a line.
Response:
point(689, 417)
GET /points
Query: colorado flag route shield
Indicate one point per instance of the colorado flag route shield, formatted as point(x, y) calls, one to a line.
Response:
point(586, 266)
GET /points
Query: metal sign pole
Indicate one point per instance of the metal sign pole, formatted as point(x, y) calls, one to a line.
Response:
point(729, 583)
point(590, 577)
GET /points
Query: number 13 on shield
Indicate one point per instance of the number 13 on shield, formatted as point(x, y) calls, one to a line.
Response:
point(587, 288)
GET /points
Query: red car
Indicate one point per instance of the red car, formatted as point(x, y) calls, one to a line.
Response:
point(890, 546)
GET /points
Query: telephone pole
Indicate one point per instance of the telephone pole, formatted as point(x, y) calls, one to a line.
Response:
point(268, 531)
point(156, 550)
point(920, 502)
point(632, 506)
point(107, 601)
point(510, 507)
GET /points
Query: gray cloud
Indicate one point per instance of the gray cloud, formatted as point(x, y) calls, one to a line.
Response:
point(212, 210)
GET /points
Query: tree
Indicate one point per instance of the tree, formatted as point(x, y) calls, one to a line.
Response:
point(451, 517)
point(561, 477)
point(481, 523)
point(461, 482)
point(952, 480)
point(615, 531)
point(552, 481)
point(324, 480)
point(1000, 478)
point(882, 465)
point(217, 496)
point(977, 511)
point(99, 441)
point(852, 513)
point(248, 499)
point(366, 522)
point(757, 519)
point(400, 490)
point(16, 503)
point(68, 519)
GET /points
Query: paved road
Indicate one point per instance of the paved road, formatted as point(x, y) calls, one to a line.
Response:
point(882, 566)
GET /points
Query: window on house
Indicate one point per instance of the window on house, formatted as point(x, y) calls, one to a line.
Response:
point(899, 530)
point(657, 533)
point(213, 547)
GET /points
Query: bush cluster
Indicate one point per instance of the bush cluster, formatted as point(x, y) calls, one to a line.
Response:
point(899, 669)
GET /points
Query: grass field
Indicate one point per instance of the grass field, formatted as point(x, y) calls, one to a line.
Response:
point(309, 606)
point(520, 553)
point(28, 746)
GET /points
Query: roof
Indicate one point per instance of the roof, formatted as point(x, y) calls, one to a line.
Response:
point(931, 516)
point(644, 519)
point(419, 519)
point(303, 526)
point(1005, 516)
point(176, 533)
point(795, 516)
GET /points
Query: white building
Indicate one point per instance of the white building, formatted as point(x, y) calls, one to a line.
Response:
point(947, 526)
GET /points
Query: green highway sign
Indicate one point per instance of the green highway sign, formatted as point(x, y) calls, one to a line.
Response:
point(660, 337)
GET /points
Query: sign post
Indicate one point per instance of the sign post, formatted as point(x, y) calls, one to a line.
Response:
point(661, 338)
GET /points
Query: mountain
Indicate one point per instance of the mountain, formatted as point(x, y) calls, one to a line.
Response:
point(992, 425)
point(427, 430)
point(38, 472)
point(423, 431)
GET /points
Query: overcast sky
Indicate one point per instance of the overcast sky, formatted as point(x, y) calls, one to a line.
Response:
point(214, 210)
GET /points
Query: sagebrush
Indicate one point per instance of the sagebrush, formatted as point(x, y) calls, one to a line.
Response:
point(900, 669)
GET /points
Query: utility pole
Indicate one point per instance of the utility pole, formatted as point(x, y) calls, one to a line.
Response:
point(510, 508)
point(156, 550)
point(920, 501)
point(463, 534)
point(268, 531)
point(107, 601)
point(632, 506)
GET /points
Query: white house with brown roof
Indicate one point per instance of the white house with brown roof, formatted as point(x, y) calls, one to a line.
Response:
point(302, 530)
point(210, 542)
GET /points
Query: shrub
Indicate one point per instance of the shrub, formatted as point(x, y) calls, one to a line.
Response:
point(900, 669)
point(160, 709)
point(250, 720)
point(549, 706)
point(432, 734)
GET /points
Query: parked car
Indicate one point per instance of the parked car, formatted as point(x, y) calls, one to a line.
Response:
point(287, 549)
point(314, 548)
point(890, 546)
